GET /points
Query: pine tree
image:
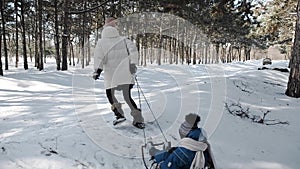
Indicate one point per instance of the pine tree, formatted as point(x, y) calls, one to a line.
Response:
point(65, 36)
point(16, 5)
point(40, 30)
point(24, 34)
point(56, 36)
point(276, 24)
point(1, 69)
point(293, 87)
point(3, 18)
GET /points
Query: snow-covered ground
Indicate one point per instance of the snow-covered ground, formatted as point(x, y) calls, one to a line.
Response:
point(61, 120)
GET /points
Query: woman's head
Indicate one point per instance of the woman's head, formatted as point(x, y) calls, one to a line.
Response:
point(111, 21)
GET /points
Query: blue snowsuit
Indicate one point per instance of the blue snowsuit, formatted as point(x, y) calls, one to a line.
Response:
point(180, 158)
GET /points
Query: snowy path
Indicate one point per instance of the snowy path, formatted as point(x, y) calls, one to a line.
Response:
point(61, 120)
point(169, 97)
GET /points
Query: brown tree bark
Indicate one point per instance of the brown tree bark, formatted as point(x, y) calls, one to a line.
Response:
point(293, 87)
point(56, 36)
point(65, 37)
point(1, 69)
point(40, 27)
point(17, 33)
point(2, 3)
point(24, 35)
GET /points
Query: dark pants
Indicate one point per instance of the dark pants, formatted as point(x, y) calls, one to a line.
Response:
point(126, 89)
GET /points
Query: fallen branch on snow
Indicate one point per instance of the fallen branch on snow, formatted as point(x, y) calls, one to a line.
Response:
point(243, 86)
point(237, 109)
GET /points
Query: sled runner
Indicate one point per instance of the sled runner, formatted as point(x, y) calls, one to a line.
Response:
point(211, 163)
point(147, 146)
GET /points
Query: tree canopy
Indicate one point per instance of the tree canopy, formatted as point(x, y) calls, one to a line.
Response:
point(65, 28)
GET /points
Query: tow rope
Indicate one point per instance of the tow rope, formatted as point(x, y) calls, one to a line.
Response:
point(166, 144)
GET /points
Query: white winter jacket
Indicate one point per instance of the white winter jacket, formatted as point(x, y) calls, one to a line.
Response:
point(112, 57)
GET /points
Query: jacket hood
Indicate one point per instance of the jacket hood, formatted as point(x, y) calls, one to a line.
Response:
point(109, 32)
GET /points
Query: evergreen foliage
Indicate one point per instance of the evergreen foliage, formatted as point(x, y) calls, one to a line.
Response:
point(64, 29)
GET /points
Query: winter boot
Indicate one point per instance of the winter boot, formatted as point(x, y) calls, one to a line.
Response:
point(138, 120)
point(117, 109)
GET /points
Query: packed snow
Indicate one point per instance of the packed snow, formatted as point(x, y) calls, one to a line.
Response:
point(62, 120)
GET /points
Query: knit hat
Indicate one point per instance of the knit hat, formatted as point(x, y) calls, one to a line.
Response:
point(191, 122)
point(111, 21)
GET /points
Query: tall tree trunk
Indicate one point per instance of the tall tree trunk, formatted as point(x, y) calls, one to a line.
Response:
point(181, 52)
point(24, 35)
point(65, 37)
point(88, 51)
point(194, 56)
point(247, 50)
point(1, 69)
point(40, 16)
point(293, 87)
point(160, 48)
point(218, 52)
point(17, 33)
point(2, 3)
point(206, 53)
point(36, 47)
point(36, 35)
point(30, 38)
point(188, 54)
point(171, 52)
point(138, 45)
point(83, 37)
point(239, 52)
point(73, 54)
point(70, 55)
point(56, 36)
point(176, 50)
point(44, 43)
point(82, 52)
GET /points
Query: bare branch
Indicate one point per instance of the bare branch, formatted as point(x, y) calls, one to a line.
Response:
point(88, 10)
point(237, 109)
point(243, 86)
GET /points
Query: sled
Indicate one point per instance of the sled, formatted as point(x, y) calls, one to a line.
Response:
point(211, 158)
point(165, 146)
point(211, 163)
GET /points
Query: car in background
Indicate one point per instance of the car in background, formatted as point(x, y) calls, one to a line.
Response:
point(267, 61)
